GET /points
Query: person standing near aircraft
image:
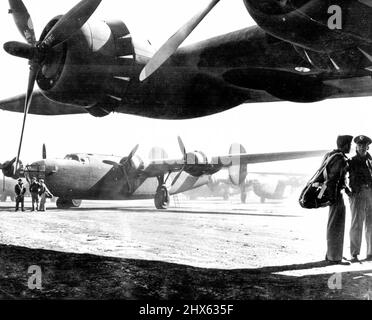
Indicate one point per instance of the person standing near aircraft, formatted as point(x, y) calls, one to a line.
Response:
point(34, 190)
point(336, 171)
point(44, 193)
point(360, 176)
point(20, 191)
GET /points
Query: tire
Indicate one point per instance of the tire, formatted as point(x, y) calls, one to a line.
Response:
point(67, 203)
point(263, 200)
point(76, 203)
point(162, 198)
point(3, 197)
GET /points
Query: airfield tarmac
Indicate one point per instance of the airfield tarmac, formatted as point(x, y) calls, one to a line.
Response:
point(205, 248)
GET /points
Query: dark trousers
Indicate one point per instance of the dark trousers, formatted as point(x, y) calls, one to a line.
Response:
point(20, 200)
point(336, 230)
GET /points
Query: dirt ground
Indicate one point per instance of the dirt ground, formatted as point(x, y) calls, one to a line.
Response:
point(206, 249)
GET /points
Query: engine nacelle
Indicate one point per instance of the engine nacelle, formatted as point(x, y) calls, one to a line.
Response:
point(323, 26)
point(196, 163)
point(8, 169)
point(134, 165)
point(237, 172)
point(92, 69)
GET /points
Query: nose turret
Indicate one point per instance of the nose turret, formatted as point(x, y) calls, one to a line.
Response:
point(41, 169)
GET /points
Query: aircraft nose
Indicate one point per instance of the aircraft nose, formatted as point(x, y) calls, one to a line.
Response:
point(41, 168)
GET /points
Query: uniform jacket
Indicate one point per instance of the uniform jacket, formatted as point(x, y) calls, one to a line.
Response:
point(336, 171)
point(34, 187)
point(359, 173)
point(20, 190)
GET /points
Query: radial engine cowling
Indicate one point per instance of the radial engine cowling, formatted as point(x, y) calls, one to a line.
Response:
point(92, 69)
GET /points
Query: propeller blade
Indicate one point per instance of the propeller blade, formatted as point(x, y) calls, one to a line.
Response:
point(44, 152)
point(23, 20)
point(171, 46)
point(182, 147)
point(19, 49)
point(34, 70)
point(71, 22)
point(111, 163)
point(132, 153)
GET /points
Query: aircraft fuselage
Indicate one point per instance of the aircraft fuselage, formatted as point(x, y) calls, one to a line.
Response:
point(87, 177)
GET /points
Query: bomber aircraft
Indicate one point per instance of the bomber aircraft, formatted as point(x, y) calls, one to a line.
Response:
point(98, 177)
point(277, 189)
point(300, 50)
point(264, 185)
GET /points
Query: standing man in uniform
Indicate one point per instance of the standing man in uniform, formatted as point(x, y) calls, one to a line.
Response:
point(34, 190)
point(20, 191)
point(360, 176)
point(336, 172)
point(44, 194)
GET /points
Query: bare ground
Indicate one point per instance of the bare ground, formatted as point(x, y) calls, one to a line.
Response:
point(236, 251)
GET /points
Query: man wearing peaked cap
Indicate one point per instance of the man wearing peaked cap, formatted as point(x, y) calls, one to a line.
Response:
point(20, 191)
point(360, 176)
point(336, 173)
point(363, 140)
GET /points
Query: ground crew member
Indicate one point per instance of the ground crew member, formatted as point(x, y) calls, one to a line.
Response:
point(44, 193)
point(34, 190)
point(360, 176)
point(20, 191)
point(336, 171)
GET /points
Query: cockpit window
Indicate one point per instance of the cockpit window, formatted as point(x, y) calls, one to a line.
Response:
point(73, 157)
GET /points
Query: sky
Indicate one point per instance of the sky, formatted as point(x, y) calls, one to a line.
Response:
point(261, 128)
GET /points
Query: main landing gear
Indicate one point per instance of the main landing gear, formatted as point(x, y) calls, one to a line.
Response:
point(162, 198)
point(67, 203)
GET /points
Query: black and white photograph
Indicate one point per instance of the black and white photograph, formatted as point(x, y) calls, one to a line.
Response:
point(199, 150)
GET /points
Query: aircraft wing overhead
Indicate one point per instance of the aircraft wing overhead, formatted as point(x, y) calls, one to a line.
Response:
point(40, 106)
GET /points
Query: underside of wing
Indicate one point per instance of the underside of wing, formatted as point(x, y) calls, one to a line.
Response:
point(40, 106)
point(270, 69)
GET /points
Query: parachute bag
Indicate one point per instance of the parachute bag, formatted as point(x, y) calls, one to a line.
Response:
point(315, 194)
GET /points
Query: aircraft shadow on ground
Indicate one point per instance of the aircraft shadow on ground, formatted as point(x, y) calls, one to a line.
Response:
point(83, 276)
point(242, 212)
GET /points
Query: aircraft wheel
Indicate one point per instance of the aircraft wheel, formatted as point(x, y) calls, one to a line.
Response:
point(76, 203)
point(67, 203)
point(243, 197)
point(162, 198)
point(263, 200)
point(3, 198)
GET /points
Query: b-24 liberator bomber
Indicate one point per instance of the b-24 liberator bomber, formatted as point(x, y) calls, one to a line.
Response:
point(300, 50)
point(97, 177)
